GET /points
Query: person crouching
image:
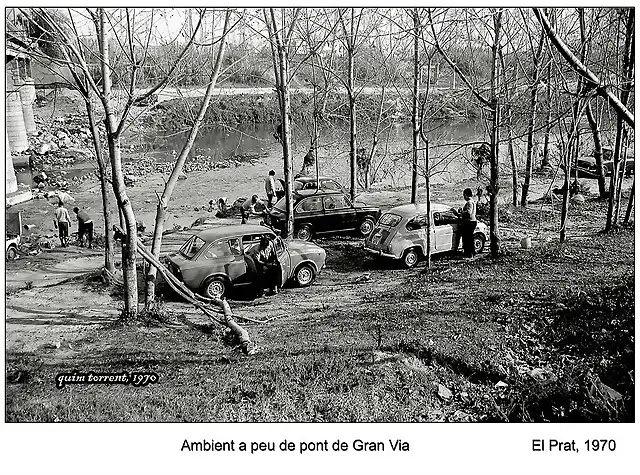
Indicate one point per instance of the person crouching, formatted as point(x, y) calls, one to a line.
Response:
point(85, 227)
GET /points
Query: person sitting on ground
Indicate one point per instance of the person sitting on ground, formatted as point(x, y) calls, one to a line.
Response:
point(249, 207)
point(62, 223)
point(85, 227)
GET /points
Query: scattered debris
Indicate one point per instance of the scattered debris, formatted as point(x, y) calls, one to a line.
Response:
point(444, 392)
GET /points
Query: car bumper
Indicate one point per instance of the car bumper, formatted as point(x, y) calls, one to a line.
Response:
point(376, 252)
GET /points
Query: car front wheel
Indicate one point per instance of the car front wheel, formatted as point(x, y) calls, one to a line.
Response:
point(366, 226)
point(12, 253)
point(478, 243)
point(215, 288)
point(304, 232)
point(305, 275)
point(410, 258)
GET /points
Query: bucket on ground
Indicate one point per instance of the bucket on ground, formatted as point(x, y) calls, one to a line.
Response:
point(525, 242)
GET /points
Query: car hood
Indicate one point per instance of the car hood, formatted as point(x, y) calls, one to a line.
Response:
point(302, 247)
point(362, 205)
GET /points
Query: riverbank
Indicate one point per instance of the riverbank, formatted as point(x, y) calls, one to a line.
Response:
point(253, 107)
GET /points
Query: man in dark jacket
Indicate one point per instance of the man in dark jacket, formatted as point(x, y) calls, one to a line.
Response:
point(85, 227)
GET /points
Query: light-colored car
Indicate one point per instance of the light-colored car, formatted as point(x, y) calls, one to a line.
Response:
point(11, 249)
point(214, 260)
point(401, 233)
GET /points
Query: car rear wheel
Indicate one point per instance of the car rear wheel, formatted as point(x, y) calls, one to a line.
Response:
point(215, 288)
point(305, 275)
point(478, 243)
point(410, 258)
point(366, 226)
point(304, 232)
point(12, 253)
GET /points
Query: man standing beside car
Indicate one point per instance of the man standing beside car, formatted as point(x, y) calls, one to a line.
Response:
point(267, 265)
point(468, 223)
point(270, 187)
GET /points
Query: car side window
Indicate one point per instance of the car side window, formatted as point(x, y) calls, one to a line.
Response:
point(279, 245)
point(310, 205)
point(335, 202)
point(418, 222)
point(217, 249)
point(331, 185)
point(235, 247)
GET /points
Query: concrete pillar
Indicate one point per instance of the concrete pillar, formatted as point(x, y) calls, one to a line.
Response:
point(16, 131)
point(10, 180)
point(27, 96)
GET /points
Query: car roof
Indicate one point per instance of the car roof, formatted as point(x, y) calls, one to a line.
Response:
point(230, 230)
point(299, 194)
point(308, 179)
point(413, 209)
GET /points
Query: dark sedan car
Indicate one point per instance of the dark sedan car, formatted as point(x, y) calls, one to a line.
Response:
point(324, 212)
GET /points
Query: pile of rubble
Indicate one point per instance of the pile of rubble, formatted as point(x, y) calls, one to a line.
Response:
point(139, 168)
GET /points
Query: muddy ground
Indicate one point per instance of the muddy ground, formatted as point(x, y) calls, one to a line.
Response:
point(538, 334)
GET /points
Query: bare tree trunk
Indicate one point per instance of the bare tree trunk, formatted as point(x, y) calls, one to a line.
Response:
point(170, 185)
point(623, 167)
point(627, 216)
point(597, 146)
point(428, 198)
point(129, 271)
point(627, 82)
point(104, 189)
point(565, 195)
point(514, 167)
point(414, 111)
point(547, 120)
point(495, 139)
point(533, 105)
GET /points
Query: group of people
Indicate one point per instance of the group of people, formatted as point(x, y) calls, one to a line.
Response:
point(62, 222)
point(257, 206)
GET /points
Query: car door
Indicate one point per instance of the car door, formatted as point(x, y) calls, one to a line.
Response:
point(339, 213)
point(219, 258)
point(416, 231)
point(309, 210)
point(445, 237)
point(284, 258)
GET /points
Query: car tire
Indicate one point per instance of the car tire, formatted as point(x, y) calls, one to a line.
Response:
point(304, 232)
point(305, 275)
point(366, 227)
point(12, 253)
point(478, 243)
point(215, 287)
point(410, 258)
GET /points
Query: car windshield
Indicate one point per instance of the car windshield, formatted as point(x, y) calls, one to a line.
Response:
point(390, 219)
point(281, 205)
point(190, 248)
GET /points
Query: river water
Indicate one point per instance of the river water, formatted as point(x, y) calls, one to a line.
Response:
point(449, 159)
point(391, 166)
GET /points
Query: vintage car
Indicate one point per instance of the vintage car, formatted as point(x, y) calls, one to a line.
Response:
point(214, 260)
point(401, 233)
point(11, 250)
point(311, 183)
point(324, 212)
point(587, 168)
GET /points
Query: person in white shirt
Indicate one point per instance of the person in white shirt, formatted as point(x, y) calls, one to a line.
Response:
point(62, 222)
point(270, 187)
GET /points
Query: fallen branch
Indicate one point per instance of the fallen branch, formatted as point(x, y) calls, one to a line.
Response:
point(223, 306)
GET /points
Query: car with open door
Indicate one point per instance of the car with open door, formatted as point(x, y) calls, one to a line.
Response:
point(215, 260)
point(324, 212)
point(401, 233)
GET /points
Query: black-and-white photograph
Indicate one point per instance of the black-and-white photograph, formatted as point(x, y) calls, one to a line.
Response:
point(328, 214)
